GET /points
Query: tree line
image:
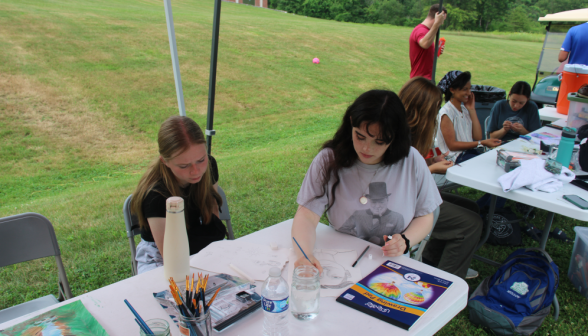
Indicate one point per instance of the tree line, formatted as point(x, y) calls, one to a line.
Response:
point(471, 15)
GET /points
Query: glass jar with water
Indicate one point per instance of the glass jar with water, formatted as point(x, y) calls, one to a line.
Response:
point(306, 292)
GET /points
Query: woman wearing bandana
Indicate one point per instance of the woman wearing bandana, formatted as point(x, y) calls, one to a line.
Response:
point(459, 130)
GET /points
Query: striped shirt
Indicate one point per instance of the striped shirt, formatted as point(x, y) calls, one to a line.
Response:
point(462, 125)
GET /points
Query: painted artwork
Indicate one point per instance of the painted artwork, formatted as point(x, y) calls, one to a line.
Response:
point(395, 293)
point(401, 288)
point(388, 289)
point(72, 319)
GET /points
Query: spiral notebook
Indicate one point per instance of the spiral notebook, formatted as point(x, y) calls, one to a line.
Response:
point(396, 294)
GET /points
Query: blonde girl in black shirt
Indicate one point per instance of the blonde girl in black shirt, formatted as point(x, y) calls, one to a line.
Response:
point(182, 169)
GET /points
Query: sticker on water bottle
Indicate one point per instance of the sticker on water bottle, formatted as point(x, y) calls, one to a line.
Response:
point(275, 306)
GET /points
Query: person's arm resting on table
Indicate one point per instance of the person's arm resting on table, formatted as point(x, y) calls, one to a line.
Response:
point(454, 145)
point(416, 231)
point(304, 230)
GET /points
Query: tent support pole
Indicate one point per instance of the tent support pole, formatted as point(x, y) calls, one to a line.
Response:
point(437, 44)
point(212, 80)
point(171, 33)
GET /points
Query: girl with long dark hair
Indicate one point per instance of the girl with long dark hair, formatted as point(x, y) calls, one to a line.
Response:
point(369, 181)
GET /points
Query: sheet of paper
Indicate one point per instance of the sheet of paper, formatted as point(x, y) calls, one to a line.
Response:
point(547, 138)
point(253, 259)
point(338, 275)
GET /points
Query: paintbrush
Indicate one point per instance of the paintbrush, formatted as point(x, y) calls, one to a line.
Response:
point(301, 250)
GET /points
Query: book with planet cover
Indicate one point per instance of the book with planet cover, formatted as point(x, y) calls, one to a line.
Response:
point(396, 294)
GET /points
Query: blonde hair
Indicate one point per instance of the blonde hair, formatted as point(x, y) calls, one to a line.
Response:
point(422, 100)
point(175, 136)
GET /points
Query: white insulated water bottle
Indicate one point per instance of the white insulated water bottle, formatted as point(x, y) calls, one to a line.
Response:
point(176, 250)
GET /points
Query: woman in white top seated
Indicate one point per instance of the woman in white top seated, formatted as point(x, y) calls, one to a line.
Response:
point(369, 181)
point(459, 129)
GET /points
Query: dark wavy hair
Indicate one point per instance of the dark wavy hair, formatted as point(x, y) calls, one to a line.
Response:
point(380, 107)
point(458, 83)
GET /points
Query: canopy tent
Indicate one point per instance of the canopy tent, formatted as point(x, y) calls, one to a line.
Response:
point(213, 62)
point(169, 18)
point(567, 16)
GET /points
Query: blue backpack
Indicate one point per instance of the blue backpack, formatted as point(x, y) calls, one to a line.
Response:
point(517, 298)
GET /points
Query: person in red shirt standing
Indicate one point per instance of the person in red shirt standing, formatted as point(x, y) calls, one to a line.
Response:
point(422, 43)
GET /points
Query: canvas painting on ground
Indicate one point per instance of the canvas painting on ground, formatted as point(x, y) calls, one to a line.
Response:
point(72, 319)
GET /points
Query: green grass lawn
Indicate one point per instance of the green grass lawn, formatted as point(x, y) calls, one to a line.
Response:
point(84, 86)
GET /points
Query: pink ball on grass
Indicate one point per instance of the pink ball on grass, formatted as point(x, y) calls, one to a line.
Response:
point(316, 60)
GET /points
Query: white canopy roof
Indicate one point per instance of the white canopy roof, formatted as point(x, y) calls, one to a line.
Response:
point(572, 15)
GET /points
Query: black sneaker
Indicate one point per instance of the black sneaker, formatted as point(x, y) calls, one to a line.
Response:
point(533, 232)
point(560, 235)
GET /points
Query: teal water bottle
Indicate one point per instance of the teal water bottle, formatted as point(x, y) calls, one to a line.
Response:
point(566, 146)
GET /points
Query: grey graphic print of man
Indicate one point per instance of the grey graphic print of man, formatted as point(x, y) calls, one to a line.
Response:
point(373, 223)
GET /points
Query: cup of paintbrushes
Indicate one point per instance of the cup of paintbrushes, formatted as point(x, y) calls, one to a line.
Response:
point(200, 325)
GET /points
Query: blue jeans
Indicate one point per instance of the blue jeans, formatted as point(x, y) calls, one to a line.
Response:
point(466, 155)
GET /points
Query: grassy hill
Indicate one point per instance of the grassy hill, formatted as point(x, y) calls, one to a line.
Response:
point(84, 86)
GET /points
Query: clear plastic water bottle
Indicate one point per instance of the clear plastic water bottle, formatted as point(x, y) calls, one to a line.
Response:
point(274, 302)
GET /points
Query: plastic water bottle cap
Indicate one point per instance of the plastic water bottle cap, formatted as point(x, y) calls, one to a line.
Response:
point(174, 204)
point(275, 272)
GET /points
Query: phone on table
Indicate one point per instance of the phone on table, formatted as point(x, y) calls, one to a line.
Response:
point(577, 201)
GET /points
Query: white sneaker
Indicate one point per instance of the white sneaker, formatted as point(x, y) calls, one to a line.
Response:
point(472, 274)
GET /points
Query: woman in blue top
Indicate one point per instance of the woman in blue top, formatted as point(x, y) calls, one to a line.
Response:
point(514, 116)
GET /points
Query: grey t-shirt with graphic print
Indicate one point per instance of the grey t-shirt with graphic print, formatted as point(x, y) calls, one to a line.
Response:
point(396, 194)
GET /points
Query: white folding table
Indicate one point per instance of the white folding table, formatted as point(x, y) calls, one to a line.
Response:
point(482, 173)
point(549, 113)
point(107, 306)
